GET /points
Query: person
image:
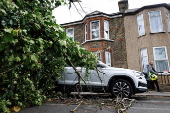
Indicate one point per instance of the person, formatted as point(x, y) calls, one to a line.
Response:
point(152, 70)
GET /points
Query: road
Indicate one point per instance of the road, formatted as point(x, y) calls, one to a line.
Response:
point(151, 105)
point(142, 105)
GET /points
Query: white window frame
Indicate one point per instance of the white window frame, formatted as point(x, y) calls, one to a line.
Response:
point(156, 59)
point(106, 29)
point(155, 26)
point(168, 21)
point(91, 30)
point(141, 27)
point(98, 53)
point(144, 59)
point(108, 58)
point(71, 36)
point(85, 32)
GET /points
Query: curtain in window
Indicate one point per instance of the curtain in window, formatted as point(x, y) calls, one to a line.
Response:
point(168, 21)
point(161, 59)
point(162, 65)
point(141, 29)
point(95, 29)
point(155, 21)
point(106, 29)
point(144, 57)
point(160, 53)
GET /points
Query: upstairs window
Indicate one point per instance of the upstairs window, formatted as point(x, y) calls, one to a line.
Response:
point(141, 28)
point(70, 33)
point(106, 29)
point(85, 35)
point(144, 58)
point(155, 21)
point(168, 21)
point(161, 58)
point(95, 29)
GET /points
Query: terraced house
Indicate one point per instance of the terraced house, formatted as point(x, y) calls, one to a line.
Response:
point(102, 34)
point(129, 38)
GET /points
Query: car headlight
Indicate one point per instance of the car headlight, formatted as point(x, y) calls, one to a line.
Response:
point(138, 74)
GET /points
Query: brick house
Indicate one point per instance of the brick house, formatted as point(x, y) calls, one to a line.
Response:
point(128, 38)
point(102, 34)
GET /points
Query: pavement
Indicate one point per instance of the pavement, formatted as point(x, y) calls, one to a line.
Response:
point(147, 94)
point(154, 94)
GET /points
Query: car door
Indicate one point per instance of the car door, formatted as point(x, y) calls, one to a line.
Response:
point(97, 76)
point(69, 76)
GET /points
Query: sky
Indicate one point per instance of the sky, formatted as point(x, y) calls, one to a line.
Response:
point(78, 10)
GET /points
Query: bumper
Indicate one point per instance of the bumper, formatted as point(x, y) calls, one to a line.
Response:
point(140, 90)
point(142, 87)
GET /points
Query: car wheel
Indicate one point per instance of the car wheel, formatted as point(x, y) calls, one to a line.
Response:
point(121, 88)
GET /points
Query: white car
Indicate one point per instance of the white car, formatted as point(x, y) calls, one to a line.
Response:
point(117, 81)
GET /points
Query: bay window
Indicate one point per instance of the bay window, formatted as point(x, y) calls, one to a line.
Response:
point(155, 21)
point(161, 58)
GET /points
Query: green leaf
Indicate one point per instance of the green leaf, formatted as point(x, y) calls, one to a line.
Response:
point(34, 58)
point(26, 49)
point(24, 56)
point(24, 32)
point(17, 59)
point(7, 38)
point(3, 11)
point(8, 30)
point(15, 32)
point(37, 26)
point(2, 46)
point(32, 42)
point(11, 58)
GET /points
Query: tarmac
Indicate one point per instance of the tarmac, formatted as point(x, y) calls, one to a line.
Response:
point(53, 107)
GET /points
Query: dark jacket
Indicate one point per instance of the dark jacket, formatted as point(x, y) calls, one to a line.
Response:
point(151, 69)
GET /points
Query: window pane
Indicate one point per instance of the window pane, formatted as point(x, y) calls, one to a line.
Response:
point(155, 21)
point(106, 29)
point(144, 56)
point(160, 53)
point(141, 29)
point(168, 21)
point(95, 25)
point(95, 34)
point(95, 29)
point(108, 58)
point(162, 65)
point(70, 33)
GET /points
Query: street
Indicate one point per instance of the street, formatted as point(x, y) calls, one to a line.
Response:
point(143, 104)
point(151, 105)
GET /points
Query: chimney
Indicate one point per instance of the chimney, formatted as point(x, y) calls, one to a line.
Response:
point(123, 5)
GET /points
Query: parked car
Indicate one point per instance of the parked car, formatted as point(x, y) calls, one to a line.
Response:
point(117, 81)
